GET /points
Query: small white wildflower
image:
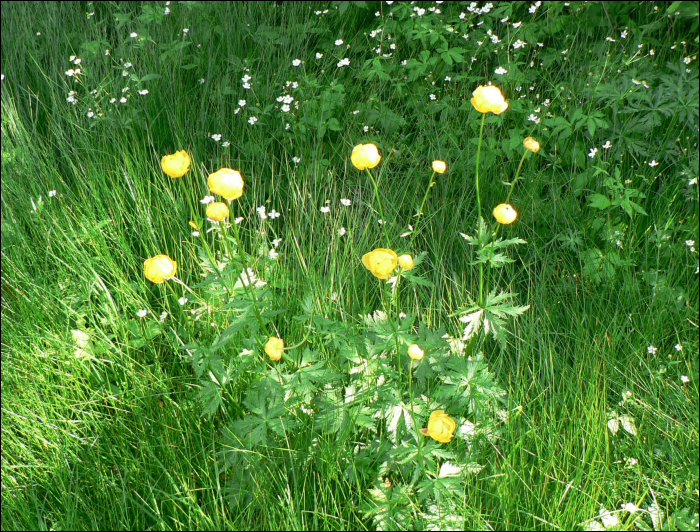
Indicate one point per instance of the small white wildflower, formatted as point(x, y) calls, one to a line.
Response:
point(142, 313)
point(133, 35)
point(652, 350)
point(343, 62)
point(653, 163)
point(678, 347)
point(534, 118)
point(273, 214)
point(432, 97)
point(692, 182)
point(652, 52)
point(241, 103)
point(593, 152)
point(339, 42)
point(70, 72)
point(143, 92)
point(690, 243)
point(126, 65)
point(122, 100)
point(448, 78)
point(516, 25)
point(90, 114)
point(252, 120)
point(319, 55)
point(276, 242)
point(226, 144)
point(238, 220)
point(381, 222)
point(185, 30)
point(52, 193)
point(636, 82)
point(182, 300)
point(262, 212)
point(624, 34)
point(342, 231)
point(125, 89)
point(207, 199)
point(202, 81)
point(195, 234)
point(216, 137)
point(346, 202)
point(296, 160)
point(685, 379)
point(365, 129)
point(163, 315)
point(273, 254)
point(610, 39)
point(325, 209)
point(500, 71)
point(630, 507)
point(296, 62)
point(285, 108)
point(687, 60)
point(607, 145)
point(166, 11)
point(519, 44)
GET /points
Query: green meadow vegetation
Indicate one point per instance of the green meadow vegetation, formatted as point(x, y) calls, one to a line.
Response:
point(350, 265)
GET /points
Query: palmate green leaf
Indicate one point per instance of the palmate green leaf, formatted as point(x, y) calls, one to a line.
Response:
point(210, 396)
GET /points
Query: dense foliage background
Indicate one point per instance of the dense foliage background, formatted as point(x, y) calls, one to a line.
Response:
point(584, 415)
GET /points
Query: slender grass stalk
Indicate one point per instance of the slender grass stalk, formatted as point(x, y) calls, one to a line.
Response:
point(379, 204)
point(420, 210)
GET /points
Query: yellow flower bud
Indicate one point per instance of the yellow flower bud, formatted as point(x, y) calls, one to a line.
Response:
point(159, 268)
point(532, 145)
point(380, 262)
point(274, 348)
point(415, 352)
point(505, 214)
point(406, 261)
point(365, 156)
point(217, 211)
point(489, 99)
point(227, 183)
point(177, 164)
point(439, 167)
point(193, 225)
point(441, 427)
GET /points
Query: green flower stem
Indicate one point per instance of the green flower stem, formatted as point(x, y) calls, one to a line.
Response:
point(480, 302)
point(247, 286)
point(379, 203)
point(510, 193)
point(390, 317)
point(207, 249)
point(420, 210)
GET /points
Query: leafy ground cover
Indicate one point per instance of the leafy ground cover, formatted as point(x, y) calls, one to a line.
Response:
point(449, 281)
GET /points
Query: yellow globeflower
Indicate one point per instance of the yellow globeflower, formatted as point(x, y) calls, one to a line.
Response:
point(532, 145)
point(505, 214)
point(439, 166)
point(217, 211)
point(365, 156)
point(406, 261)
point(415, 352)
point(274, 348)
point(441, 427)
point(177, 164)
point(380, 262)
point(227, 183)
point(489, 99)
point(159, 268)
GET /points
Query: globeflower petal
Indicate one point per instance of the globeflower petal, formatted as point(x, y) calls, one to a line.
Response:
point(177, 164)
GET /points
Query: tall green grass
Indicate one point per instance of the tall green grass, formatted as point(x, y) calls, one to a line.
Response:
point(118, 442)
